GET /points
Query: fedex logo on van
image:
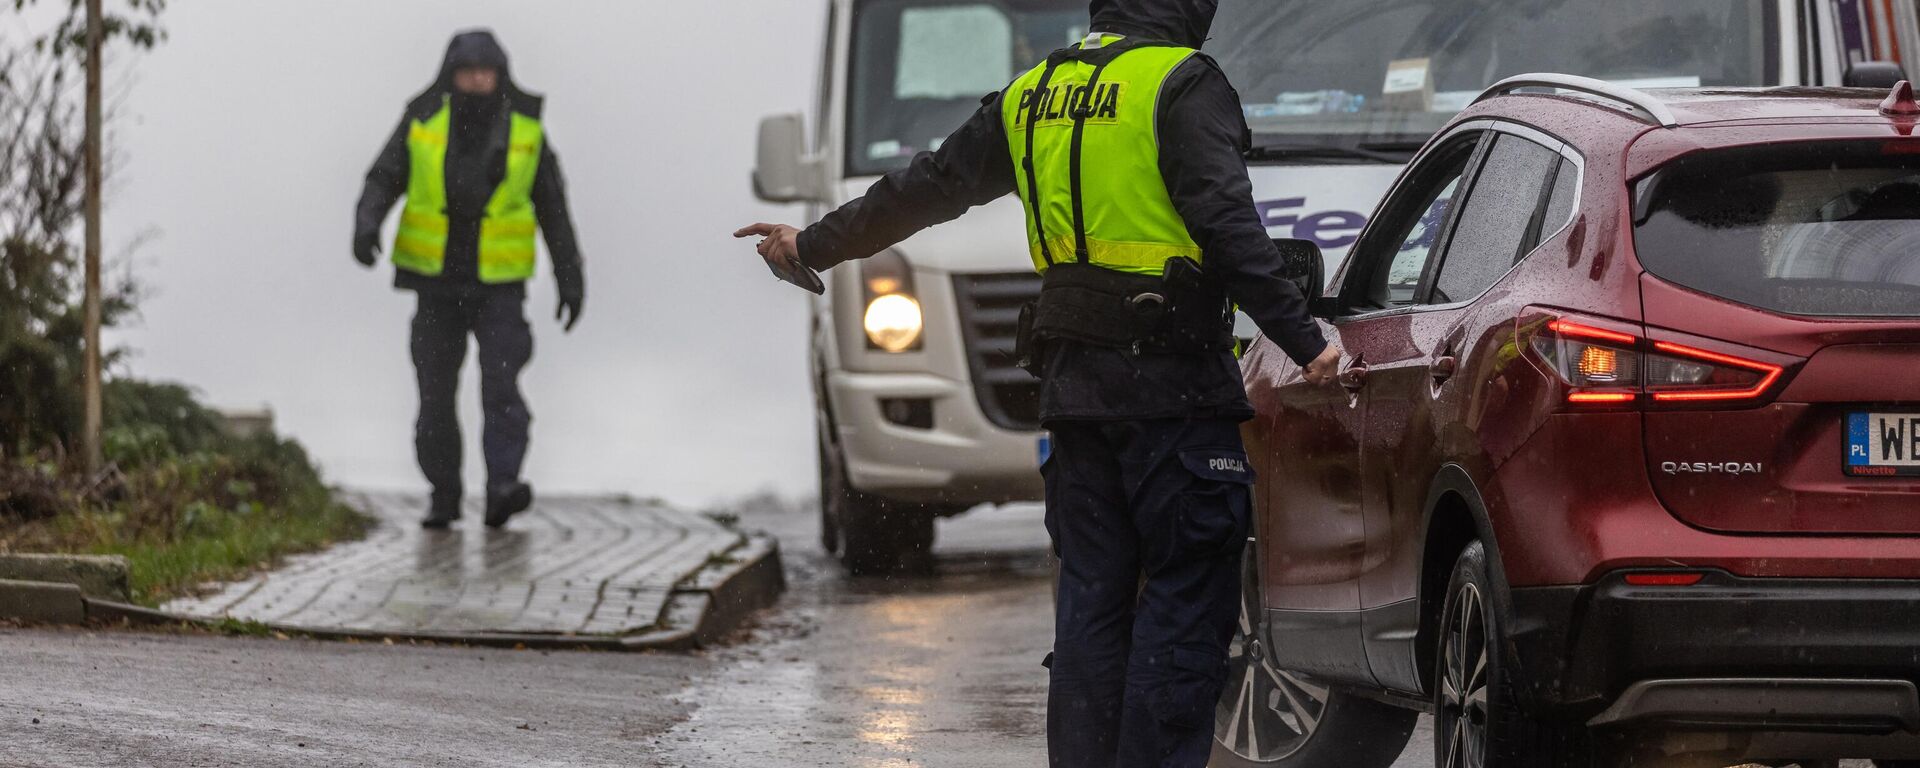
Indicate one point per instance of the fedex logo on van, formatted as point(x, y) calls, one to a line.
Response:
point(1324, 205)
point(1327, 229)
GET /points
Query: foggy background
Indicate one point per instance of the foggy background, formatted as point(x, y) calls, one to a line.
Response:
point(243, 143)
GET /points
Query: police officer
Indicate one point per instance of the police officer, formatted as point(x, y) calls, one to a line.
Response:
point(472, 158)
point(1127, 152)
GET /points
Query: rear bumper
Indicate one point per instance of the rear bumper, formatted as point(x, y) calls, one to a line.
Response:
point(1623, 655)
point(1770, 703)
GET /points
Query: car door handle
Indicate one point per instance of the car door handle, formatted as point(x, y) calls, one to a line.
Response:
point(1443, 368)
point(1354, 378)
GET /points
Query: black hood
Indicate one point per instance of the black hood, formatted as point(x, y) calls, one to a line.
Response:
point(1183, 22)
point(479, 48)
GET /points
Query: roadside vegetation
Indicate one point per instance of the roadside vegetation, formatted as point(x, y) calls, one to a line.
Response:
point(184, 497)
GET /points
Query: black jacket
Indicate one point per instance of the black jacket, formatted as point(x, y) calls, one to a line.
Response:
point(1203, 138)
point(476, 164)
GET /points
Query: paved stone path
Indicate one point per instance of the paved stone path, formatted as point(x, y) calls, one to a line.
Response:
point(590, 566)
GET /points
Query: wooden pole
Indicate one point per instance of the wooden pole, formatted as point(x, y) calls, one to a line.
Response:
point(92, 376)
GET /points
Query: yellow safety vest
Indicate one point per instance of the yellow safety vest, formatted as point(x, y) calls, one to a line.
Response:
point(507, 242)
point(1094, 159)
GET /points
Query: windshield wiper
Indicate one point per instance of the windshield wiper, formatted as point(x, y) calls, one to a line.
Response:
point(1392, 153)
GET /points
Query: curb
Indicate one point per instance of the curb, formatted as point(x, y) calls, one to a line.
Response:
point(102, 577)
point(710, 604)
point(42, 602)
point(718, 599)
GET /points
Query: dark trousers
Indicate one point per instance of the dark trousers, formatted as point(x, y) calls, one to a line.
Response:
point(1150, 519)
point(440, 329)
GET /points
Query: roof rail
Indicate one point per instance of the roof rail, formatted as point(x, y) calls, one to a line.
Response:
point(1638, 102)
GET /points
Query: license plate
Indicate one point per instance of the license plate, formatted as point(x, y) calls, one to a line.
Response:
point(1883, 444)
point(1046, 448)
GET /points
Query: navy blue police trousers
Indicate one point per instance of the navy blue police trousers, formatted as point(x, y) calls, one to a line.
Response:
point(1150, 519)
point(441, 325)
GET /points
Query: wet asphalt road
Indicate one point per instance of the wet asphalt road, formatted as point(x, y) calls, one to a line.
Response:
point(936, 671)
point(871, 673)
point(138, 699)
point(891, 673)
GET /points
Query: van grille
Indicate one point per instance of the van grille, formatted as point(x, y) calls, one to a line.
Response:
point(989, 318)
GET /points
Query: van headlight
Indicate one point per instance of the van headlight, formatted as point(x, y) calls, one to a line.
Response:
point(893, 319)
point(894, 322)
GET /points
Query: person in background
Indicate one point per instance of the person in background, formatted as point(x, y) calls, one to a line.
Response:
point(479, 175)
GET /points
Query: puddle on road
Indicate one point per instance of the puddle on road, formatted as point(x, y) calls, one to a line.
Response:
point(888, 673)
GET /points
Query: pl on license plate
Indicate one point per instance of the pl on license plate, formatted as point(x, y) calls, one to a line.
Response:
point(1883, 444)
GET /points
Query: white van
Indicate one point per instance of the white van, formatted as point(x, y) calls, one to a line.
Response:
point(921, 410)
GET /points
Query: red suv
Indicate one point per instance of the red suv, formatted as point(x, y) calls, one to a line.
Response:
point(1626, 463)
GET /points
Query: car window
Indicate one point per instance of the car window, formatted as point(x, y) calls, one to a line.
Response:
point(1410, 260)
point(1824, 229)
point(1566, 192)
point(1495, 219)
point(1389, 265)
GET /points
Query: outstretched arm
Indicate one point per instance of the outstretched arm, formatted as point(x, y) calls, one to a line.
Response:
point(971, 168)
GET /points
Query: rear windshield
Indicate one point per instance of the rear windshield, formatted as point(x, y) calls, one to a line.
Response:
point(1828, 228)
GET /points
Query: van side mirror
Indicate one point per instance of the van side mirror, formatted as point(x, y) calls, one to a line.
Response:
point(783, 173)
point(1873, 74)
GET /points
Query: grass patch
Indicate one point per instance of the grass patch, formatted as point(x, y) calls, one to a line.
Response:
point(222, 545)
point(241, 627)
point(186, 502)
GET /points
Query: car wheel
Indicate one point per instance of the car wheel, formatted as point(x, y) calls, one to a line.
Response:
point(1478, 719)
point(1271, 717)
point(870, 535)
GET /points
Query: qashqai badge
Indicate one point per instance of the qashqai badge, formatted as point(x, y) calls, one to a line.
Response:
point(1735, 468)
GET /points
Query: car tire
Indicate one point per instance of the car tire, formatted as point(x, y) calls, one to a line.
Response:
point(1269, 717)
point(1479, 720)
point(870, 535)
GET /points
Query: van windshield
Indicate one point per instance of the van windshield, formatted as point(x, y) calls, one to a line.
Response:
point(920, 67)
point(1317, 76)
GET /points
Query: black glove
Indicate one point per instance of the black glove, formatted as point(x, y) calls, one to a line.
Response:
point(573, 296)
point(366, 248)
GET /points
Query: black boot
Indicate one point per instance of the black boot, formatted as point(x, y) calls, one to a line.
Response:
point(442, 511)
point(506, 499)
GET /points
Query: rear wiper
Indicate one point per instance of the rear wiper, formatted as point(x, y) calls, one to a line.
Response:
point(1390, 153)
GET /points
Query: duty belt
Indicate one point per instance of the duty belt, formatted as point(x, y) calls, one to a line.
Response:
point(1178, 313)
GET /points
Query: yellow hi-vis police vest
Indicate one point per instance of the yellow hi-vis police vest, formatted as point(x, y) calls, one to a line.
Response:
point(506, 234)
point(1087, 157)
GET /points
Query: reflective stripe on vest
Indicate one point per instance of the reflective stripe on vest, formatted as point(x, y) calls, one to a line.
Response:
point(507, 234)
point(1130, 223)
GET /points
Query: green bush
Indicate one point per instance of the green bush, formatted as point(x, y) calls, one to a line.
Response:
point(186, 503)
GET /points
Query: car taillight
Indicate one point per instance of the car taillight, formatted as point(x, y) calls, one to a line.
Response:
point(1677, 373)
point(1602, 366)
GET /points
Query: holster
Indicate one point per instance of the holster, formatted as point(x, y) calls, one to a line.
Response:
point(1180, 312)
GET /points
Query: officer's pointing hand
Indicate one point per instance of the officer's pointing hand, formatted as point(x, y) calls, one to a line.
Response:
point(781, 245)
point(1324, 369)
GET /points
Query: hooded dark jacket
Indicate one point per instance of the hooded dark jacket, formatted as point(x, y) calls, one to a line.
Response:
point(476, 164)
point(1203, 139)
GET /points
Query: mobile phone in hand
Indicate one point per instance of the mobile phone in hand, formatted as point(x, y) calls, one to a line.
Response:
point(800, 275)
